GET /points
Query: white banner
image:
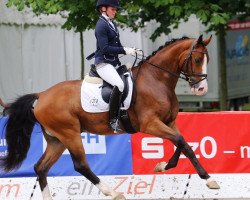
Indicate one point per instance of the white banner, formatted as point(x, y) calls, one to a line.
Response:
point(139, 187)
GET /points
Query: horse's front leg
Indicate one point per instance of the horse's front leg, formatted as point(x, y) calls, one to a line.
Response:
point(189, 153)
point(173, 161)
point(158, 128)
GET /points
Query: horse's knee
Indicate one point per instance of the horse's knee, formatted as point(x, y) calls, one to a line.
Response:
point(189, 153)
point(184, 146)
point(180, 141)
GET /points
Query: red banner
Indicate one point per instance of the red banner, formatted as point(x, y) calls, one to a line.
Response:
point(220, 140)
point(236, 25)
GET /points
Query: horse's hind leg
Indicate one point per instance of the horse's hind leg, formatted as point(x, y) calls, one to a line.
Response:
point(76, 149)
point(53, 151)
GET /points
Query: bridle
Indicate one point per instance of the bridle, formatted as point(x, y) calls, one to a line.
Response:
point(186, 64)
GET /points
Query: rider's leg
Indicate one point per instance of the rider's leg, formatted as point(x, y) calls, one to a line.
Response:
point(108, 73)
point(114, 109)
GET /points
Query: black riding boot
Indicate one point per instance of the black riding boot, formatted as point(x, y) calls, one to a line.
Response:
point(114, 109)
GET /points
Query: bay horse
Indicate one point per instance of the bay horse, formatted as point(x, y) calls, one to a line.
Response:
point(154, 111)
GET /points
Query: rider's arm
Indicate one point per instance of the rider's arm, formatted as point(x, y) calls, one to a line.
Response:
point(101, 34)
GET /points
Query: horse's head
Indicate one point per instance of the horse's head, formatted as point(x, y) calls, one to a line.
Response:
point(194, 66)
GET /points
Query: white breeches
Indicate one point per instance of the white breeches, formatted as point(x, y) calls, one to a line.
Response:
point(108, 73)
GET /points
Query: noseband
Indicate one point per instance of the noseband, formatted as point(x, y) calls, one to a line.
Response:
point(183, 75)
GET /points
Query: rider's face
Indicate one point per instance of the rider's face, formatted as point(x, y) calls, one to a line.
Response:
point(111, 12)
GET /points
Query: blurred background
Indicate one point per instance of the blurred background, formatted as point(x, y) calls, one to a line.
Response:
point(36, 52)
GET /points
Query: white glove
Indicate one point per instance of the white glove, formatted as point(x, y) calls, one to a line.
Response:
point(129, 51)
point(132, 51)
point(139, 52)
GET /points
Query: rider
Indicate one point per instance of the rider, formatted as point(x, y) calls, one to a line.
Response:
point(106, 56)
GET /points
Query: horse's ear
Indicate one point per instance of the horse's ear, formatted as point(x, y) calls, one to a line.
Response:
point(207, 41)
point(199, 41)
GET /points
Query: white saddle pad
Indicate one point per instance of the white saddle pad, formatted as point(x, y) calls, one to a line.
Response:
point(91, 97)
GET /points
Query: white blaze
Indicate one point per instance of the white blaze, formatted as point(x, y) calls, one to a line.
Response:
point(201, 88)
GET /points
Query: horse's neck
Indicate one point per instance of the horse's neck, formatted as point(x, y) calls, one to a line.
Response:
point(155, 88)
point(162, 67)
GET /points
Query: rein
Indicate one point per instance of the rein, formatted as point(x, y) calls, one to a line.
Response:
point(182, 75)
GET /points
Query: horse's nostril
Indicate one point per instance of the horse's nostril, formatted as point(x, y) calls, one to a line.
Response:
point(201, 89)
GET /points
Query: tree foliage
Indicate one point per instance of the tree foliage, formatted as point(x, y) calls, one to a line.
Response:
point(82, 15)
point(215, 14)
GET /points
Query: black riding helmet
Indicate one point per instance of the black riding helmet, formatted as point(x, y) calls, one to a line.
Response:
point(112, 3)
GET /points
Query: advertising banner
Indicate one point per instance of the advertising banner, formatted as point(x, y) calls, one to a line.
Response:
point(238, 59)
point(220, 141)
point(110, 155)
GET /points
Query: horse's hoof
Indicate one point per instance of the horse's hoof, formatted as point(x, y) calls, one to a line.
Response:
point(119, 197)
point(160, 167)
point(212, 184)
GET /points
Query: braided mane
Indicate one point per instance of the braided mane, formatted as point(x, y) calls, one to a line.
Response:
point(161, 47)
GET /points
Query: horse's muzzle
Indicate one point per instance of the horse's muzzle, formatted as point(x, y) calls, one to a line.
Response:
point(200, 88)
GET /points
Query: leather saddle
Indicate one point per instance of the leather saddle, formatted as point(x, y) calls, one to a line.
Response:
point(107, 88)
point(106, 92)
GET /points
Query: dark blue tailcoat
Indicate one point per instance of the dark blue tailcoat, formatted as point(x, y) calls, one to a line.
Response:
point(108, 43)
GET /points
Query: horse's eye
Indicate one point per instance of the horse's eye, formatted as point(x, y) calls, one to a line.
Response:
point(198, 60)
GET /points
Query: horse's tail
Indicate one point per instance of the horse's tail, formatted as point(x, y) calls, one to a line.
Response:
point(18, 131)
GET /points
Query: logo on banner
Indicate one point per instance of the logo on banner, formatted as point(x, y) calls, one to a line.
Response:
point(241, 48)
point(153, 148)
point(9, 190)
point(3, 147)
point(128, 185)
point(93, 144)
